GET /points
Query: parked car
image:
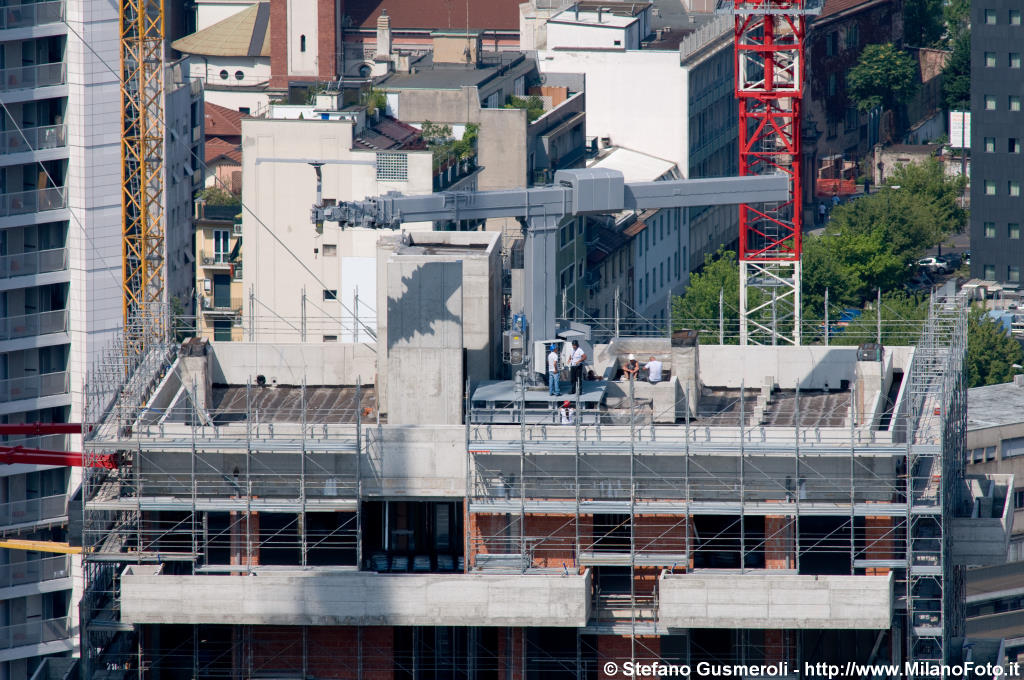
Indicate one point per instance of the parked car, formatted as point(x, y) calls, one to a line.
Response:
point(935, 264)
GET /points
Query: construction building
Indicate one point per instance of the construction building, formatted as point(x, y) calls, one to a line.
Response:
point(389, 508)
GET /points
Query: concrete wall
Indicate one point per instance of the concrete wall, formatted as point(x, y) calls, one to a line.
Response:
point(415, 460)
point(607, 36)
point(761, 600)
point(237, 363)
point(302, 22)
point(355, 598)
point(728, 365)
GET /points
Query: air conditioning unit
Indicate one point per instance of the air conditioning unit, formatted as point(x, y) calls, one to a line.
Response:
point(236, 230)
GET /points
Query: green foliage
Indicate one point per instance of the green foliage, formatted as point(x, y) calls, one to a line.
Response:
point(375, 100)
point(991, 351)
point(444, 147)
point(534, 106)
point(436, 132)
point(956, 75)
point(218, 196)
point(698, 307)
point(929, 181)
point(957, 14)
point(902, 315)
point(922, 22)
point(883, 76)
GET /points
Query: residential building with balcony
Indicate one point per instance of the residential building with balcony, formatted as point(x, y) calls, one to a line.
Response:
point(60, 277)
point(758, 505)
point(218, 284)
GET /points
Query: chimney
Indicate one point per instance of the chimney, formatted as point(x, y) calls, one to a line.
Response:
point(600, 11)
point(1018, 380)
point(383, 34)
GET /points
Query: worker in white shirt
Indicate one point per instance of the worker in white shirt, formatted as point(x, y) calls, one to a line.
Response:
point(653, 370)
point(567, 413)
point(576, 360)
point(553, 386)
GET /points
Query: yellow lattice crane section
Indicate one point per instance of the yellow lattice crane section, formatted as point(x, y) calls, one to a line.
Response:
point(142, 158)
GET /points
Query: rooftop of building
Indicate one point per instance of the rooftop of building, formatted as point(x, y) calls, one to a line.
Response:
point(215, 149)
point(389, 134)
point(426, 75)
point(833, 7)
point(493, 15)
point(221, 121)
point(995, 405)
point(244, 34)
point(286, 403)
point(636, 166)
point(601, 14)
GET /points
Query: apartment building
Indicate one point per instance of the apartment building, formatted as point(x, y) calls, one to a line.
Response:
point(283, 513)
point(997, 173)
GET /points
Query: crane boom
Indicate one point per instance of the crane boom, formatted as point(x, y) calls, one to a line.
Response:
point(541, 211)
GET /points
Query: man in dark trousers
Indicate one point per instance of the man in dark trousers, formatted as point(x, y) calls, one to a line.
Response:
point(576, 360)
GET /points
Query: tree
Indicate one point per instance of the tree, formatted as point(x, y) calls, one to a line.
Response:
point(883, 76)
point(928, 180)
point(956, 75)
point(922, 22)
point(902, 315)
point(698, 308)
point(534, 106)
point(218, 196)
point(957, 14)
point(991, 351)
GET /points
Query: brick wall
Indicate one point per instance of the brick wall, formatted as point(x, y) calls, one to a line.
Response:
point(879, 542)
point(326, 37)
point(333, 652)
point(617, 648)
point(279, 43)
point(510, 653)
point(245, 532)
point(779, 544)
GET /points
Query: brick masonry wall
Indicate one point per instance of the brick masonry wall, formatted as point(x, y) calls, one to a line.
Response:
point(617, 648)
point(279, 43)
point(326, 37)
point(333, 652)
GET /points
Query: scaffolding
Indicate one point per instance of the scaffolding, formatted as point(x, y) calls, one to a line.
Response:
point(819, 487)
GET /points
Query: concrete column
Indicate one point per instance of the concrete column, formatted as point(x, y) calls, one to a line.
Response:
point(510, 654)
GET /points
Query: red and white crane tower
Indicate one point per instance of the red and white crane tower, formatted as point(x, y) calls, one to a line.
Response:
point(769, 66)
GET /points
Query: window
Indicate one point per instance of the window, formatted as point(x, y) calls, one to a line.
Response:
point(990, 17)
point(223, 74)
point(493, 100)
point(990, 230)
point(617, 43)
point(1013, 273)
point(661, 275)
point(302, 43)
point(990, 60)
point(566, 278)
point(1014, 59)
point(989, 272)
point(1012, 447)
point(853, 37)
point(990, 145)
point(1013, 188)
point(990, 453)
point(1018, 499)
point(852, 119)
point(832, 84)
point(1015, 17)
point(330, 294)
point(832, 127)
point(1013, 230)
point(990, 102)
point(1014, 102)
point(831, 43)
point(392, 167)
point(221, 238)
point(1013, 145)
point(519, 86)
point(330, 250)
point(239, 75)
point(990, 187)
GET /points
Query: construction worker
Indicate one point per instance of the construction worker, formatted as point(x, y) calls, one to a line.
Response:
point(553, 387)
point(567, 413)
point(653, 370)
point(576, 360)
point(631, 368)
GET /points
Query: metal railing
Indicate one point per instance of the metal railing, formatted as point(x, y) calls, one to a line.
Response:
point(35, 632)
point(33, 262)
point(34, 571)
point(34, 200)
point(213, 258)
point(33, 510)
point(28, 325)
point(40, 75)
point(31, 14)
point(34, 386)
point(33, 138)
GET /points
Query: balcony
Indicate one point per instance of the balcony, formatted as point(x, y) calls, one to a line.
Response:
point(31, 14)
point(26, 77)
point(211, 308)
point(983, 537)
point(35, 200)
point(30, 325)
point(35, 632)
point(210, 260)
point(720, 598)
point(32, 139)
point(34, 386)
point(35, 571)
point(33, 510)
point(33, 262)
point(337, 597)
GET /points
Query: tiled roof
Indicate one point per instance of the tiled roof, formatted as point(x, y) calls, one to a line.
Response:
point(837, 6)
point(245, 34)
point(217, 148)
point(390, 134)
point(501, 15)
point(221, 121)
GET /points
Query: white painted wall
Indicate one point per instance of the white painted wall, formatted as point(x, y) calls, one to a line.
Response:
point(236, 101)
point(570, 35)
point(283, 253)
point(661, 261)
point(255, 70)
point(652, 119)
point(812, 366)
point(302, 21)
point(209, 12)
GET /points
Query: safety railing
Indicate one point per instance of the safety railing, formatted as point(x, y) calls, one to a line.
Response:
point(33, 262)
point(33, 510)
point(35, 571)
point(25, 77)
point(31, 14)
point(29, 325)
point(35, 200)
point(35, 632)
point(34, 386)
point(32, 138)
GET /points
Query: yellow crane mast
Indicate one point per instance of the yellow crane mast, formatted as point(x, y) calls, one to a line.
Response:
point(142, 158)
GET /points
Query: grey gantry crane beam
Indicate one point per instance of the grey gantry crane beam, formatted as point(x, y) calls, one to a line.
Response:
point(541, 211)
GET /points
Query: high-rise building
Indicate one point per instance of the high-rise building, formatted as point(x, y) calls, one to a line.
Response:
point(997, 135)
point(60, 276)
